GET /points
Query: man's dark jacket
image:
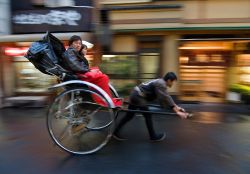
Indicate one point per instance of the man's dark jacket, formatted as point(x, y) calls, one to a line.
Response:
point(73, 61)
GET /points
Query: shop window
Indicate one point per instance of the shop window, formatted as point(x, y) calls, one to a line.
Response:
point(203, 67)
point(122, 71)
point(126, 71)
point(29, 79)
point(120, 66)
point(243, 63)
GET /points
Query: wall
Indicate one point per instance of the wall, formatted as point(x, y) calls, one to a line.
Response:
point(182, 14)
point(123, 43)
point(171, 57)
point(5, 16)
point(4, 29)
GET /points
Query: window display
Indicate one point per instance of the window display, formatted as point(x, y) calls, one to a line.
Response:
point(203, 67)
point(29, 79)
point(243, 63)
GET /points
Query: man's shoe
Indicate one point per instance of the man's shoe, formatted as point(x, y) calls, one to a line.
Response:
point(158, 137)
point(117, 137)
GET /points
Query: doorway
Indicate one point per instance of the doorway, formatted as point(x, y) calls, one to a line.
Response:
point(149, 57)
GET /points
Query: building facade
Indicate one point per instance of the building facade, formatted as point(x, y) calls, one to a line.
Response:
point(206, 43)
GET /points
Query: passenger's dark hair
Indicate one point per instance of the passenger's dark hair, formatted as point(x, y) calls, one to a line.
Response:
point(83, 47)
point(170, 76)
point(74, 38)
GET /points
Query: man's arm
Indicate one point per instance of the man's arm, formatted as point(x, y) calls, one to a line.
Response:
point(163, 95)
point(166, 100)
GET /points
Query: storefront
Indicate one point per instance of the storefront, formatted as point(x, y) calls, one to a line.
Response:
point(209, 68)
point(199, 40)
point(206, 67)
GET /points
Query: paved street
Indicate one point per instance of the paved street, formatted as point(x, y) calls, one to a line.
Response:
point(212, 142)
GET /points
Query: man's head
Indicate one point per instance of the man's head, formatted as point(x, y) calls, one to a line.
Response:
point(75, 42)
point(170, 78)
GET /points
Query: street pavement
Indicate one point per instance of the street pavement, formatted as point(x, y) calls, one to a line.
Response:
point(215, 141)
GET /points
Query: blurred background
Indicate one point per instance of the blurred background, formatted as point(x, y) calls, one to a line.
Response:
point(205, 42)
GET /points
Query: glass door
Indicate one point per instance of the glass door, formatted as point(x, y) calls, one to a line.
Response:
point(149, 65)
point(149, 57)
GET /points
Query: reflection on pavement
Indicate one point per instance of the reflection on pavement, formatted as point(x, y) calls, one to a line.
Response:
point(216, 118)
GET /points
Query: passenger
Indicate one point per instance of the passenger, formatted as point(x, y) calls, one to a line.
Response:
point(142, 95)
point(74, 60)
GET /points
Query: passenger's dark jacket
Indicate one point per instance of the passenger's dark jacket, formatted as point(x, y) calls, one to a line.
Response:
point(73, 61)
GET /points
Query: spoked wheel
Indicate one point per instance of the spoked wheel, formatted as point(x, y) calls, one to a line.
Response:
point(78, 123)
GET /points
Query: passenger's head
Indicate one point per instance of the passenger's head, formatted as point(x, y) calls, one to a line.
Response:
point(83, 49)
point(75, 42)
point(170, 78)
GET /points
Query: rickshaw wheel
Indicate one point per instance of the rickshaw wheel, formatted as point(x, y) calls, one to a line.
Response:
point(78, 122)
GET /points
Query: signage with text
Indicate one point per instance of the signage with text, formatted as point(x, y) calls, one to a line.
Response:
point(70, 19)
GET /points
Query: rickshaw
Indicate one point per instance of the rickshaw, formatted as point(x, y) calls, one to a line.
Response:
point(76, 104)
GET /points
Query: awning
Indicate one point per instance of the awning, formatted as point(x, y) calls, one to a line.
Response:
point(215, 39)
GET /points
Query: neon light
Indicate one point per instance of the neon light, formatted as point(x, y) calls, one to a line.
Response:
point(11, 51)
